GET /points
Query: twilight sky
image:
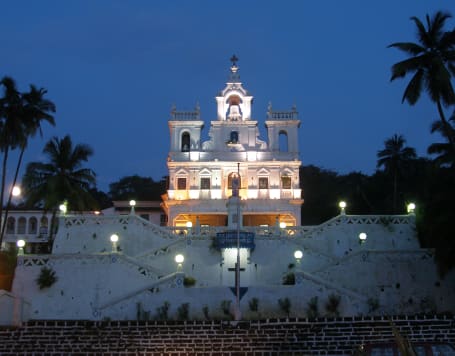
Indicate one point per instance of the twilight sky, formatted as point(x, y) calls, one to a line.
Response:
point(114, 68)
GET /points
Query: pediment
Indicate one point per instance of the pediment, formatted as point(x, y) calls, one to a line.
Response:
point(263, 172)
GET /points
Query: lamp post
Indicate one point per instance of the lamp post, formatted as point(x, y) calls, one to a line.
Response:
point(179, 260)
point(132, 205)
point(16, 192)
point(342, 205)
point(298, 257)
point(20, 245)
point(362, 238)
point(189, 225)
point(63, 208)
point(114, 239)
point(236, 192)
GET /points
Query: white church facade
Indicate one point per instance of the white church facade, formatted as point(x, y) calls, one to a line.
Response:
point(201, 172)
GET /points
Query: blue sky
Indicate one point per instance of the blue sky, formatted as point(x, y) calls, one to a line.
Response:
point(114, 69)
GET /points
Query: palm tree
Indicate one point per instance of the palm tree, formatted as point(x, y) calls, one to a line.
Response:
point(445, 151)
point(432, 63)
point(10, 128)
point(395, 157)
point(22, 123)
point(20, 119)
point(62, 178)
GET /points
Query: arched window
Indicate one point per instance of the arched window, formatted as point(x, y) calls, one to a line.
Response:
point(185, 142)
point(21, 224)
point(283, 141)
point(11, 225)
point(234, 137)
point(32, 225)
point(234, 112)
point(43, 226)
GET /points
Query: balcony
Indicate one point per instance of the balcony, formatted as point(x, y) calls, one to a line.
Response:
point(251, 193)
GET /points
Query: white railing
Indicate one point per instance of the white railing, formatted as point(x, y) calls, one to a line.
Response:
point(185, 115)
point(134, 220)
point(295, 231)
point(175, 232)
point(282, 115)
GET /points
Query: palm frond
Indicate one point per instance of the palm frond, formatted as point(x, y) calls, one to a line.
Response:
point(408, 47)
point(414, 88)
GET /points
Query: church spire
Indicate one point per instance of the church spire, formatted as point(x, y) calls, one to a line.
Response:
point(234, 76)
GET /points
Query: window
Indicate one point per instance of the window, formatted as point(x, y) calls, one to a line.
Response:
point(186, 142)
point(43, 226)
point(181, 183)
point(21, 224)
point(205, 183)
point(234, 137)
point(32, 225)
point(285, 182)
point(11, 225)
point(283, 141)
point(263, 183)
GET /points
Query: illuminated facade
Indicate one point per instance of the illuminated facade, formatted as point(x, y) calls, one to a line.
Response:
point(200, 173)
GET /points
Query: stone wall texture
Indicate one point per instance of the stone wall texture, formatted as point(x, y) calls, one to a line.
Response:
point(339, 336)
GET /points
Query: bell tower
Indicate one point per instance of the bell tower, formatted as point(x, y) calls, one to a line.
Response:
point(234, 102)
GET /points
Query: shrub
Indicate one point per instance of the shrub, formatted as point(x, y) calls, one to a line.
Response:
point(312, 308)
point(46, 278)
point(332, 305)
point(373, 304)
point(226, 306)
point(141, 314)
point(189, 281)
point(183, 311)
point(285, 306)
point(289, 279)
point(162, 312)
point(253, 303)
point(205, 311)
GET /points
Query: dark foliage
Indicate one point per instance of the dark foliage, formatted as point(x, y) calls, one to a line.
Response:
point(46, 278)
point(138, 188)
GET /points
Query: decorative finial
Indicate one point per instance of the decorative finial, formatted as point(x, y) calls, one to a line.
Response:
point(234, 76)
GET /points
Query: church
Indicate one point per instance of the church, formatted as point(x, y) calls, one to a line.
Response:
point(201, 172)
point(233, 219)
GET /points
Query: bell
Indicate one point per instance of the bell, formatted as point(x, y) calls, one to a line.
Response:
point(234, 113)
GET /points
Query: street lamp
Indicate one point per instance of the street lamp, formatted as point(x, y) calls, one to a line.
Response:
point(189, 225)
point(342, 205)
point(132, 205)
point(362, 237)
point(114, 239)
point(411, 208)
point(179, 260)
point(63, 208)
point(16, 191)
point(20, 244)
point(298, 257)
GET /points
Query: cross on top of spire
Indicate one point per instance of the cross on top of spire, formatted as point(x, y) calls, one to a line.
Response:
point(234, 76)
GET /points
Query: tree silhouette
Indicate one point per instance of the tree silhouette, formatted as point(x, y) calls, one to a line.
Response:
point(395, 158)
point(431, 63)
